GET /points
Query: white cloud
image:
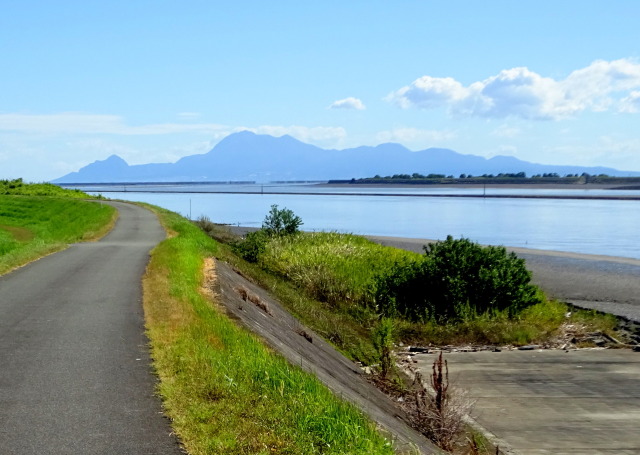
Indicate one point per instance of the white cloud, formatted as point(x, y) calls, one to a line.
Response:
point(631, 103)
point(429, 92)
point(414, 136)
point(523, 93)
point(348, 103)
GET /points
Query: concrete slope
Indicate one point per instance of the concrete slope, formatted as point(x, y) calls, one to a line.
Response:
point(303, 347)
point(75, 372)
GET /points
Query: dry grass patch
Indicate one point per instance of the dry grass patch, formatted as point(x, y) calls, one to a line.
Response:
point(20, 234)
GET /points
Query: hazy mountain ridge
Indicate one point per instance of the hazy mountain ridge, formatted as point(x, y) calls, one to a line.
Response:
point(248, 156)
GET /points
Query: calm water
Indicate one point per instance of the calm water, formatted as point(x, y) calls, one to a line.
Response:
point(583, 226)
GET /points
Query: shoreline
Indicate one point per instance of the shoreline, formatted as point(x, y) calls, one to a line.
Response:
point(415, 244)
point(533, 186)
point(518, 250)
point(344, 189)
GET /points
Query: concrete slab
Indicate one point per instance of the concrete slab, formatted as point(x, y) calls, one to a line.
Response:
point(552, 401)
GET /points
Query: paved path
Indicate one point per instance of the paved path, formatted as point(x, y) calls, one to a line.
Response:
point(605, 283)
point(74, 365)
point(553, 402)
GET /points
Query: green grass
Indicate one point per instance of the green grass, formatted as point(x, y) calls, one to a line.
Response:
point(17, 186)
point(340, 269)
point(33, 226)
point(224, 390)
point(327, 280)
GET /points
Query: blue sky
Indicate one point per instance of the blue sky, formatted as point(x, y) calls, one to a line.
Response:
point(555, 82)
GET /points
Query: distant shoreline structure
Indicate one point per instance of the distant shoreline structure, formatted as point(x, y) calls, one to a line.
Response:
point(264, 189)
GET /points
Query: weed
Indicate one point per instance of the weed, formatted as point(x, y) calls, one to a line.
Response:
point(440, 412)
point(383, 335)
point(219, 232)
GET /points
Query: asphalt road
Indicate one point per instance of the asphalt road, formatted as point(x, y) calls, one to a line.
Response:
point(75, 375)
point(605, 283)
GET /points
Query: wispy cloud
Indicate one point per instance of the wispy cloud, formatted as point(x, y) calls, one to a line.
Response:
point(348, 103)
point(70, 124)
point(81, 123)
point(520, 92)
point(506, 131)
point(414, 135)
point(631, 103)
point(302, 133)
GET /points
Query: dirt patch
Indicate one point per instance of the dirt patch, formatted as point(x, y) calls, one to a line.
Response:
point(19, 233)
point(260, 313)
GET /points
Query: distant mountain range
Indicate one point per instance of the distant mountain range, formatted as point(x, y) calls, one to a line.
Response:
point(246, 156)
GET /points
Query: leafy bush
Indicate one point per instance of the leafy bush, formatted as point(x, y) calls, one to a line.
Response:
point(278, 223)
point(281, 222)
point(252, 246)
point(456, 281)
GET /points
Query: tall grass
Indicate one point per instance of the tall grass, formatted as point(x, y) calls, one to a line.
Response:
point(338, 274)
point(225, 391)
point(33, 226)
point(340, 269)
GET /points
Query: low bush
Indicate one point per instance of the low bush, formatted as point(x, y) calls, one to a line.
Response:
point(457, 280)
point(281, 222)
point(252, 246)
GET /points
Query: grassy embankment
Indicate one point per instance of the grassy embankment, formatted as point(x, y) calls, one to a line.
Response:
point(225, 391)
point(39, 219)
point(338, 274)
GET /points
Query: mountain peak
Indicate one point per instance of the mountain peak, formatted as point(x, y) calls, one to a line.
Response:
point(247, 156)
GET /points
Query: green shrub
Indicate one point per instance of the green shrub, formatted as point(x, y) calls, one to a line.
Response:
point(456, 281)
point(278, 223)
point(281, 222)
point(252, 246)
